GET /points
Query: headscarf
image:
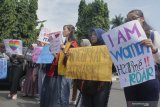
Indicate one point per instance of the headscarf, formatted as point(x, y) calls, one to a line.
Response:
point(99, 33)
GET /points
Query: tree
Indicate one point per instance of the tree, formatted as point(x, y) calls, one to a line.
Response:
point(81, 29)
point(26, 20)
point(117, 21)
point(19, 20)
point(22, 15)
point(33, 23)
point(7, 19)
point(91, 15)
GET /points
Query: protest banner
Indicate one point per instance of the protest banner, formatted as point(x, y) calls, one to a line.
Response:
point(3, 68)
point(61, 67)
point(13, 46)
point(133, 61)
point(44, 35)
point(36, 53)
point(45, 56)
point(89, 63)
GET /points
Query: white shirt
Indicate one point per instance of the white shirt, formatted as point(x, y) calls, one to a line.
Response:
point(156, 43)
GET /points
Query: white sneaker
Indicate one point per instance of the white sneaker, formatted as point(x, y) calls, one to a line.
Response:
point(9, 95)
point(73, 102)
point(14, 97)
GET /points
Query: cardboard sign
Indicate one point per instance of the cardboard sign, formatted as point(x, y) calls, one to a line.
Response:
point(89, 63)
point(133, 61)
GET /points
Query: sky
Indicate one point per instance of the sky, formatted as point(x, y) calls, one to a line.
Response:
point(62, 12)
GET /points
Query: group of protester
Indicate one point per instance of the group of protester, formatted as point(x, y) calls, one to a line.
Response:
point(54, 89)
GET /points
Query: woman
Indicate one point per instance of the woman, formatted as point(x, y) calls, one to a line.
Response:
point(49, 93)
point(41, 70)
point(147, 92)
point(68, 32)
point(17, 72)
point(95, 93)
point(30, 86)
point(56, 87)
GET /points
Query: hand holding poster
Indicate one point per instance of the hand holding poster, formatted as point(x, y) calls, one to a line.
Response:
point(3, 68)
point(13, 46)
point(133, 61)
point(89, 63)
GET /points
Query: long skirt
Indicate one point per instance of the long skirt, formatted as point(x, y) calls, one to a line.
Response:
point(41, 76)
point(49, 93)
point(30, 87)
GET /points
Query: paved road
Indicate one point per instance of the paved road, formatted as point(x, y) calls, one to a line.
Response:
point(116, 99)
point(20, 102)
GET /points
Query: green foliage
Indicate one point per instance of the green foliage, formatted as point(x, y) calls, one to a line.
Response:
point(19, 20)
point(91, 15)
point(117, 21)
point(7, 19)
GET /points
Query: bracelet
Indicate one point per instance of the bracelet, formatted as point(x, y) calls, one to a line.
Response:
point(154, 52)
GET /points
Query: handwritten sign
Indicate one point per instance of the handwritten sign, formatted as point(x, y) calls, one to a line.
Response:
point(45, 56)
point(13, 46)
point(133, 61)
point(44, 35)
point(36, 53)
point(3, 68)
point(90, 63)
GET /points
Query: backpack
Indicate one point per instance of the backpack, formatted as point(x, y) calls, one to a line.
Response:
point(157, 66)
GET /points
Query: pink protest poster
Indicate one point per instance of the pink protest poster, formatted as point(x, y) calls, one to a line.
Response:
point(36, 53)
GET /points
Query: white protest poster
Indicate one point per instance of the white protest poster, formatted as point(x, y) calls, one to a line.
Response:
point(55, 42)
point(13, 46)
point(133, 61)
point(44, 35)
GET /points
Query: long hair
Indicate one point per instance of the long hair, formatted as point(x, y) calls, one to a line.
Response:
point(71, 28)
point(145, 26)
